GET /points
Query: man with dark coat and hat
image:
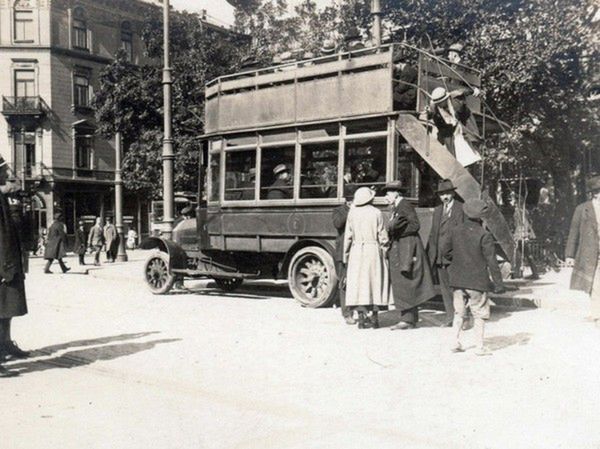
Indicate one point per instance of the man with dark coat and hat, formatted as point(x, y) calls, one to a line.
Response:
point(446, 217)
point(56, 245)
point(583, 247)
point(412, 283)
point(405, 84)
point(471, 251)
point(12, 276)
point(281, 188)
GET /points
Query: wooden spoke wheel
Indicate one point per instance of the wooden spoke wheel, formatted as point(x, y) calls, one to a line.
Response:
point(312, 277)
point(157, 275)
point(228, 284)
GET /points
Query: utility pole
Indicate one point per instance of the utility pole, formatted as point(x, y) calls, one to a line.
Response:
point(167, 152)
point(121, 253)
point(376, 13)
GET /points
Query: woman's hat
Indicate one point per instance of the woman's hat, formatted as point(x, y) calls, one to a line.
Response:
point(363, 195)
point(279, 169)
point(395, 186)
point(187, 210)
point(475, 208)
point(458, 48)
point(445, 185)
point(593, 184)
point(439, 94)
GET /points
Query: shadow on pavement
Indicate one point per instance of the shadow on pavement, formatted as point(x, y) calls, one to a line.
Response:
point(49, 350)
point(84, 357)
point(504, 341)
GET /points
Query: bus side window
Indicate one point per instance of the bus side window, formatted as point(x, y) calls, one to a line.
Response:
point(240, 175)
point(365, 163)
point(276, 175)
point(214, 170)
point(318, 171)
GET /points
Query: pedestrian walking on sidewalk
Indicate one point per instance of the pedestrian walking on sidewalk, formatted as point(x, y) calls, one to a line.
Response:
point(471, 251)
point(583, 248)
point(111, 240)
point(12, 277)
point(96, 240)
point(365, 245)
point(412, 283)
point(56, 246)
point(79, 247)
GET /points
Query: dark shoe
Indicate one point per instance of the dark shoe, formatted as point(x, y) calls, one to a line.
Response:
point(7, 373)
point(47, 272)
point(374, 318)
point(361, 320)
point(67, 269)
point(403, 325)
point(11, 349)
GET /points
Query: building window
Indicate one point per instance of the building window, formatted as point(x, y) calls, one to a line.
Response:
point(127, 40)
point(81, 91)
point(23, 26)
point(84, 149)
point(80, 31)
point(24, 83)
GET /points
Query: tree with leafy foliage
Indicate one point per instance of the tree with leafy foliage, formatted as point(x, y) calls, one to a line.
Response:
point(130, 98)
point(535, 57)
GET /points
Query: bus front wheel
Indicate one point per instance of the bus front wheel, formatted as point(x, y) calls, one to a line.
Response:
point(157, 274)
point(312, 277)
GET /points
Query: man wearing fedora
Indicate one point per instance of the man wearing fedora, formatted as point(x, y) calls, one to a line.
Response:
point(412, 283)
point(281, 188)
point(446, 217)
point(583, 247)
point(471, 251)
point(12, 276)
point(353, 40)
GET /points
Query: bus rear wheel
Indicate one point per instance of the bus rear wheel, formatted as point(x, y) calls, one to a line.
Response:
point(312, 277)
point(228, 284)
point(158, 277)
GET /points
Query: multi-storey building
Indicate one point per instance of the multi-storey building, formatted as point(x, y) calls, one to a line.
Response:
point(51, 54)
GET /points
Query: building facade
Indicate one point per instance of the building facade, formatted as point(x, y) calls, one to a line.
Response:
point(51, 55)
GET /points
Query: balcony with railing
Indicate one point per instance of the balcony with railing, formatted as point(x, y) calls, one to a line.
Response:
point(23, 107)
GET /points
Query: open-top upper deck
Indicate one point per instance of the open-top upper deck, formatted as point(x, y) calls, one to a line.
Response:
point(340, 86)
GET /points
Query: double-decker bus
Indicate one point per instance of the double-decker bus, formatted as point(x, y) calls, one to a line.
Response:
point(330, 122)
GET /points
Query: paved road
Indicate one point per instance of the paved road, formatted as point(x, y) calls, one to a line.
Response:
point(116, 367)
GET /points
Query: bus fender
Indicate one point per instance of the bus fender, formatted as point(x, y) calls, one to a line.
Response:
point(325, 244)
point(177, 255)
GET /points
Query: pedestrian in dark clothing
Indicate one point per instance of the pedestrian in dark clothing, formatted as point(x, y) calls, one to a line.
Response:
point(80, 243)
point(111, 240)
point(583, 248)
point(412, 283)
point(55, 248)
point(12, 277)
point(473, 259)
point(405, 85)
point(446, 217)
point(96, 240)
point(339, 217)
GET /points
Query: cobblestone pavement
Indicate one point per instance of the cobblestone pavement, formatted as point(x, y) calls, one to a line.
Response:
point(116, 367)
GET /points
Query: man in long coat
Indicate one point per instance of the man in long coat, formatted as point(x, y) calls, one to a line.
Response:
point(446, 217)
point(111, 239)
point(12, 277)
point(96, 240)
point(339, 217)
point(79, 246)
point(583, 250)
point(412, 283)
point(56, 245)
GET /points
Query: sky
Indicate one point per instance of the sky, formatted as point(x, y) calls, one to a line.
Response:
point(221, 10)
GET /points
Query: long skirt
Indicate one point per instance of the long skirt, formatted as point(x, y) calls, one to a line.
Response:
point(12, 298)
point(367, 277)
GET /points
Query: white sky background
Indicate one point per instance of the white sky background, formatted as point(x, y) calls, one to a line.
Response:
point(221, 10)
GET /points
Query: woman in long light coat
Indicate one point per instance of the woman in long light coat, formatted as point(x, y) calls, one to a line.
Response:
point(365, 245)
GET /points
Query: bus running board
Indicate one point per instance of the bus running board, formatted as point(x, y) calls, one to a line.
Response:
point(446, 166)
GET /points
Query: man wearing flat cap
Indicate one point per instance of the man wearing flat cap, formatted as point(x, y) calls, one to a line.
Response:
point(446, 216)
point(412, 283)
point(281, 188)
point(583, 247)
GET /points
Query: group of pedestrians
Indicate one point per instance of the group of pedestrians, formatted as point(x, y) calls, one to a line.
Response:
point(98, 237)
point(382, 263)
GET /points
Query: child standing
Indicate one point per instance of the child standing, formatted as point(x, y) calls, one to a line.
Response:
point(471, 252)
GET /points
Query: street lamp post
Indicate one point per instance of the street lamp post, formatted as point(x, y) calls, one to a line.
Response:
point(376, 13)
point(121, 253)
point(167, 152)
